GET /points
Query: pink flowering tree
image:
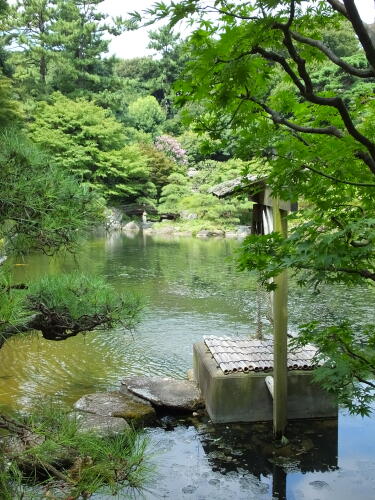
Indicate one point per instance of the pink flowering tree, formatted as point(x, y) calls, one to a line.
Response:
point(172, 148)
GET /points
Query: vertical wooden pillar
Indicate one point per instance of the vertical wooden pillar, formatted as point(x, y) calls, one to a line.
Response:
point(280, 326)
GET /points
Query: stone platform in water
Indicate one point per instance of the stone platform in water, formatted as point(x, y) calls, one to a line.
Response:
point(242, 396)
point(164, 392)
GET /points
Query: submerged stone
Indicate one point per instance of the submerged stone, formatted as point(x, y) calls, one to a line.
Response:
point(166, 392)
point(117, 404)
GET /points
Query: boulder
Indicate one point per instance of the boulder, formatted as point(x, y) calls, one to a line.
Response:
point(165, 229)
point(243, 230)
point(113, 219)
point(131, 226)
point(117, 404)
point(186, 215)
point(216, 232)
point(163, 392)
point(184, 233)
point(14, 444)
point(203, 234)
point(97, 424)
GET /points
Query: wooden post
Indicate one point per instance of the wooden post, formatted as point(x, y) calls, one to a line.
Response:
point(280, 326)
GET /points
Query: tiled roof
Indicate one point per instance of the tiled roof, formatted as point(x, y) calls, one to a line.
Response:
point(239, 184)
point(245, 355)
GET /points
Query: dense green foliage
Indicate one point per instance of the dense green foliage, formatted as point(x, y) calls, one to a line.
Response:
point(86, 140)
point(351, 362)
point(146, 114)
point(69, 304)
point(65, 459)
point(41, 207)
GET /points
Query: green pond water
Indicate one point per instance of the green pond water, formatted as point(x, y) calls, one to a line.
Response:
point(191, 288)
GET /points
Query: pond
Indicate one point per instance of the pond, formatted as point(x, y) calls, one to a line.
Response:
point(191, 288)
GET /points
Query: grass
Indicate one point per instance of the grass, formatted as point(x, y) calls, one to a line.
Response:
point(69, 464)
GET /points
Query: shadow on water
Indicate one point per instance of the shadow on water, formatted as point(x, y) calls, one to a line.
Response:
point(198, 459)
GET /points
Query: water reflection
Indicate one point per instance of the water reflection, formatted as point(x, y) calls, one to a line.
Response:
point(198, 459)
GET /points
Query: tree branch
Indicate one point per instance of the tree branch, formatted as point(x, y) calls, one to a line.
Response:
point(353, 15)
point(352, 70)
point(270, 55)
point(278, 119)
point(338, 7)
point(364, 381)
point(307, 92)
point(359, 184)
point(353, 354)
point(361, 272)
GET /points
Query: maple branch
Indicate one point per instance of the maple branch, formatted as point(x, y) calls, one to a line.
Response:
point(331, 177)
point(352, 70)
point(360, 30)
point(307, 91)
point(338, 7)
point(278, 119)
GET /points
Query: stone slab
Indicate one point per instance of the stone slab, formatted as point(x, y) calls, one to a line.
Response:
point(244, 397)
point(102, 426)
point(166, 392)
point(117, 404)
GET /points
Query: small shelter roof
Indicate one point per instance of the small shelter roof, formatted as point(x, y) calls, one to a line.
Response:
point(251, 355)
point(237, 185)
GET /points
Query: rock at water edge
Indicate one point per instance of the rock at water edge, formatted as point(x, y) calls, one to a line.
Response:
point(117, 404)
point(97, 424)
point(175, 394)
point(131, 226)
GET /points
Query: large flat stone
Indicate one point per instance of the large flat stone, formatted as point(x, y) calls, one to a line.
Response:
point(117, 404)
point(102, 426)
point(166, 392)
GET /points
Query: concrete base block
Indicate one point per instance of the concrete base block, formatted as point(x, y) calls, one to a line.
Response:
point(244, 397)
